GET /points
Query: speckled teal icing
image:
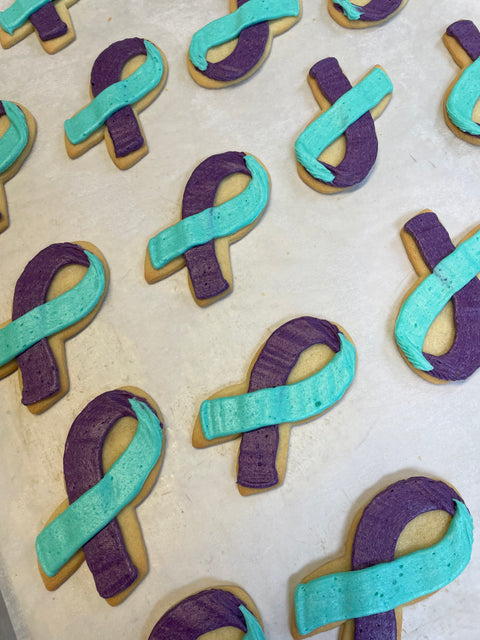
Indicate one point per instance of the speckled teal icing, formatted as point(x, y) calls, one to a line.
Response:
point(15, 138)
point(382, 587)
point(286, 403)
point(351, 11)
point(332, 123)
point(425, 303)
point(85, 517)
point(118, 95)
point(254, 630)
point(54, 315)
point(215, 222)
point(229, 26)
point(462, 99)
point(18, 13)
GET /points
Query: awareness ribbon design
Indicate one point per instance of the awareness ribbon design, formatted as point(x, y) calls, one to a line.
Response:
point(95, 497)
point(204, 612)
point(453, 277)
point(377, 582)
point(463, 40)
point(113, 99)
point(373, 12)
point(348, 114)
point(270, 401)
point(193, 238)
point(34, 318)
point(250, 23)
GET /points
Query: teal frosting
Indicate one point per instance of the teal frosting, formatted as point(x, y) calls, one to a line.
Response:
point(254, 630)
point(229, 26)
point(215, 222)
point(85, 517)
point(15, 138)
point(287, 403)
point(382, 587)
point(54, 315)
point(118, 95)
point(351, 11)
point(462, 99)
point(425, 303)
point(332, 123)
point(18, 13)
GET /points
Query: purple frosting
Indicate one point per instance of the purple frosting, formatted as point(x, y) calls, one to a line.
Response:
point(2, 109)
point(105, 553)
point(360, 137)
point(463, 357)
point(248, 52)
point(467, 36)
point(202, 264)
point(122, 126)
point(40, 376)
point(258, 449)
point(376, 10)
point(201, 613)
point(378, 530)
point(48, 23)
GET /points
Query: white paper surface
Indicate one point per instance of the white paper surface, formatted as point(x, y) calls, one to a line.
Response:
point(337, 257)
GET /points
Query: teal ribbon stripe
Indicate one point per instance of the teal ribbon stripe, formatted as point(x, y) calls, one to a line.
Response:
point(350, 10)
point(18, 13)
point(463, 97)
point(254, 630)
point(15, 138)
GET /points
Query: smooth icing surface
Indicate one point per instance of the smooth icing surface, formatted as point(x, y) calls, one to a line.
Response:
point(463, 97)
point(287, 403)
point(15, 138)
point(18, 13)
point(94, 509)
point(467, 35)
point(373, 11)
point(118, 95)
point(352, 11)
point(48, 23)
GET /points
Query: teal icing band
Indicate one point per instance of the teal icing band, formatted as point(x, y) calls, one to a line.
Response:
point(85, 517)
point(331, 124)
point(15, 138)
point(54, 315)
point(382, 587)
point(462, 99)
point(286, 403)
point(215, 222)
point(254, 630)
point(18, 13)
point(229, 26)
point(351, 11)
point(118, 95)
point(424, 304)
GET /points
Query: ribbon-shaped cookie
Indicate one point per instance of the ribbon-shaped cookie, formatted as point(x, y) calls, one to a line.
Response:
point(369, 14)
point(51, 20)
point(98, 522)
point(377, 576)
point(50, 304)
point(120, 89)
point(251, 26)
point(214, 214)
point(446, 273)
point(345, 110)
point(462, 39)
point(209, 611)
point(281, 391)
point(17, 133)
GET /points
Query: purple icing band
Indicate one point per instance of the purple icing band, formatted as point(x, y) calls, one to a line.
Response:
point(248, 52)
point(376, 10)
point(467, 36)
point(122, 126)
point(360, 137)
point(201, 613)
point(105, 553)
point(40, 376)
point(202, 264)
point(48, 23)
point(463, 357)
point(378, 530)
point(258, 449)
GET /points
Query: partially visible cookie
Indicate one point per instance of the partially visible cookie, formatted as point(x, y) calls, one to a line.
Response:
point(366, 13)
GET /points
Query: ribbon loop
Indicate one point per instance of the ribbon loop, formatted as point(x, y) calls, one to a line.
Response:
point(372, 12)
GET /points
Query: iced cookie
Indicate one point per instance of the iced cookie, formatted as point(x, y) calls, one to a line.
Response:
point(125, 79)
point(107, 474)
point(216, 611)
point(462, 39)
point(412, 539)
point(59, 292)
point(17, 133)
point(51, 21)
point(224, 198)
point(367, 13)
point(285, 386)
point(338, 149)
point(239, 42)
point(445, 273)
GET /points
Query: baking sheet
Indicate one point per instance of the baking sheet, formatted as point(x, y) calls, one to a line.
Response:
point(338, 257)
